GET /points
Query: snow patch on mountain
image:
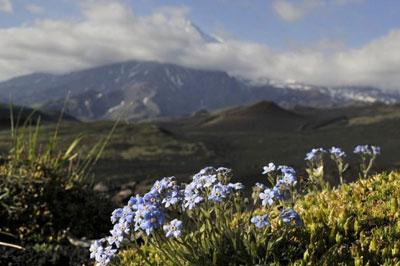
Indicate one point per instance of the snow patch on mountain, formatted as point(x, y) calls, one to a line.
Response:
point(115, 108)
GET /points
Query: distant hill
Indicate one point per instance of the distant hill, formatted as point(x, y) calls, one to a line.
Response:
point(262, 115)
point(137, 90)
point(22, 114)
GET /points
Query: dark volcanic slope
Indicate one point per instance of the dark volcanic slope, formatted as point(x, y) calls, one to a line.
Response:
point(260, 116)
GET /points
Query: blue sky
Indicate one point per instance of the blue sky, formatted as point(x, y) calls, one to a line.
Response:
point(353, 23)
point(325, 42)
point(350, 23)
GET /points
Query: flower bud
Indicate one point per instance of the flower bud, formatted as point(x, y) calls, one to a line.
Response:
point(246, 201)
point(358, 261)
point(338, 238)
point(393, 205)
point(357, 226)
point(362, 237)
point(306, 256)
point(395, 250)
point(385, 252)
point(313, 228)
point(346, 225)
point(332, 235)
point(372, 246)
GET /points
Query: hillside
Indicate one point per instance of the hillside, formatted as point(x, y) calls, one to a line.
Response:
point(243, 138)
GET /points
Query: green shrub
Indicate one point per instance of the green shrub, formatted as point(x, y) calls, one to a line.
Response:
point(46, 198)
point(356, 224)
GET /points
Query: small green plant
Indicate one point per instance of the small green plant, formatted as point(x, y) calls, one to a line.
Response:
point(316, 166)
point(338, 156)
point(27, 147)
point(315, 169)
point(368, 154)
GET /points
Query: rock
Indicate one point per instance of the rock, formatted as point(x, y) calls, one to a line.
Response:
point(200, 113)
point(100, 187)
point(122, 196)
point(131, 185)
point(82, 242)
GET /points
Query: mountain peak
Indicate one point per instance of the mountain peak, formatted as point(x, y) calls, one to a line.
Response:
point(263, 114)
point(206, 37)
point(262, 108)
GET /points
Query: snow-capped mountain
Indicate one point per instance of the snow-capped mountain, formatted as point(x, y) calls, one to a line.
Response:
point(135, 90)
point(364, 95)
point(337, 96)
point(146, 90)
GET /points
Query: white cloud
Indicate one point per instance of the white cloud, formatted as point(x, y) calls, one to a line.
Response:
point(6, 6)
point(345, 2)
point(34, 9)
point(111, 33)
point(288, 11)
point(294, 10)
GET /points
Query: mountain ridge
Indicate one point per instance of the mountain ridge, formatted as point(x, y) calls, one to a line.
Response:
point(143, 90)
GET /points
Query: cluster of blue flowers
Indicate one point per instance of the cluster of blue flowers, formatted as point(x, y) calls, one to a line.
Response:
point(337, 152)
point(173, 229)
point(208, 184)
point(260, 221)
point(146, 214)
point(101, 254)
point(140, 214)
point(367, 150)
point(269, 168)
point(286, 180)
point(290, 215)
point(315, 161)
point(314, 154)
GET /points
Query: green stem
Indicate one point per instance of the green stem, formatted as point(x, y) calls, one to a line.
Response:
point(368, 168)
